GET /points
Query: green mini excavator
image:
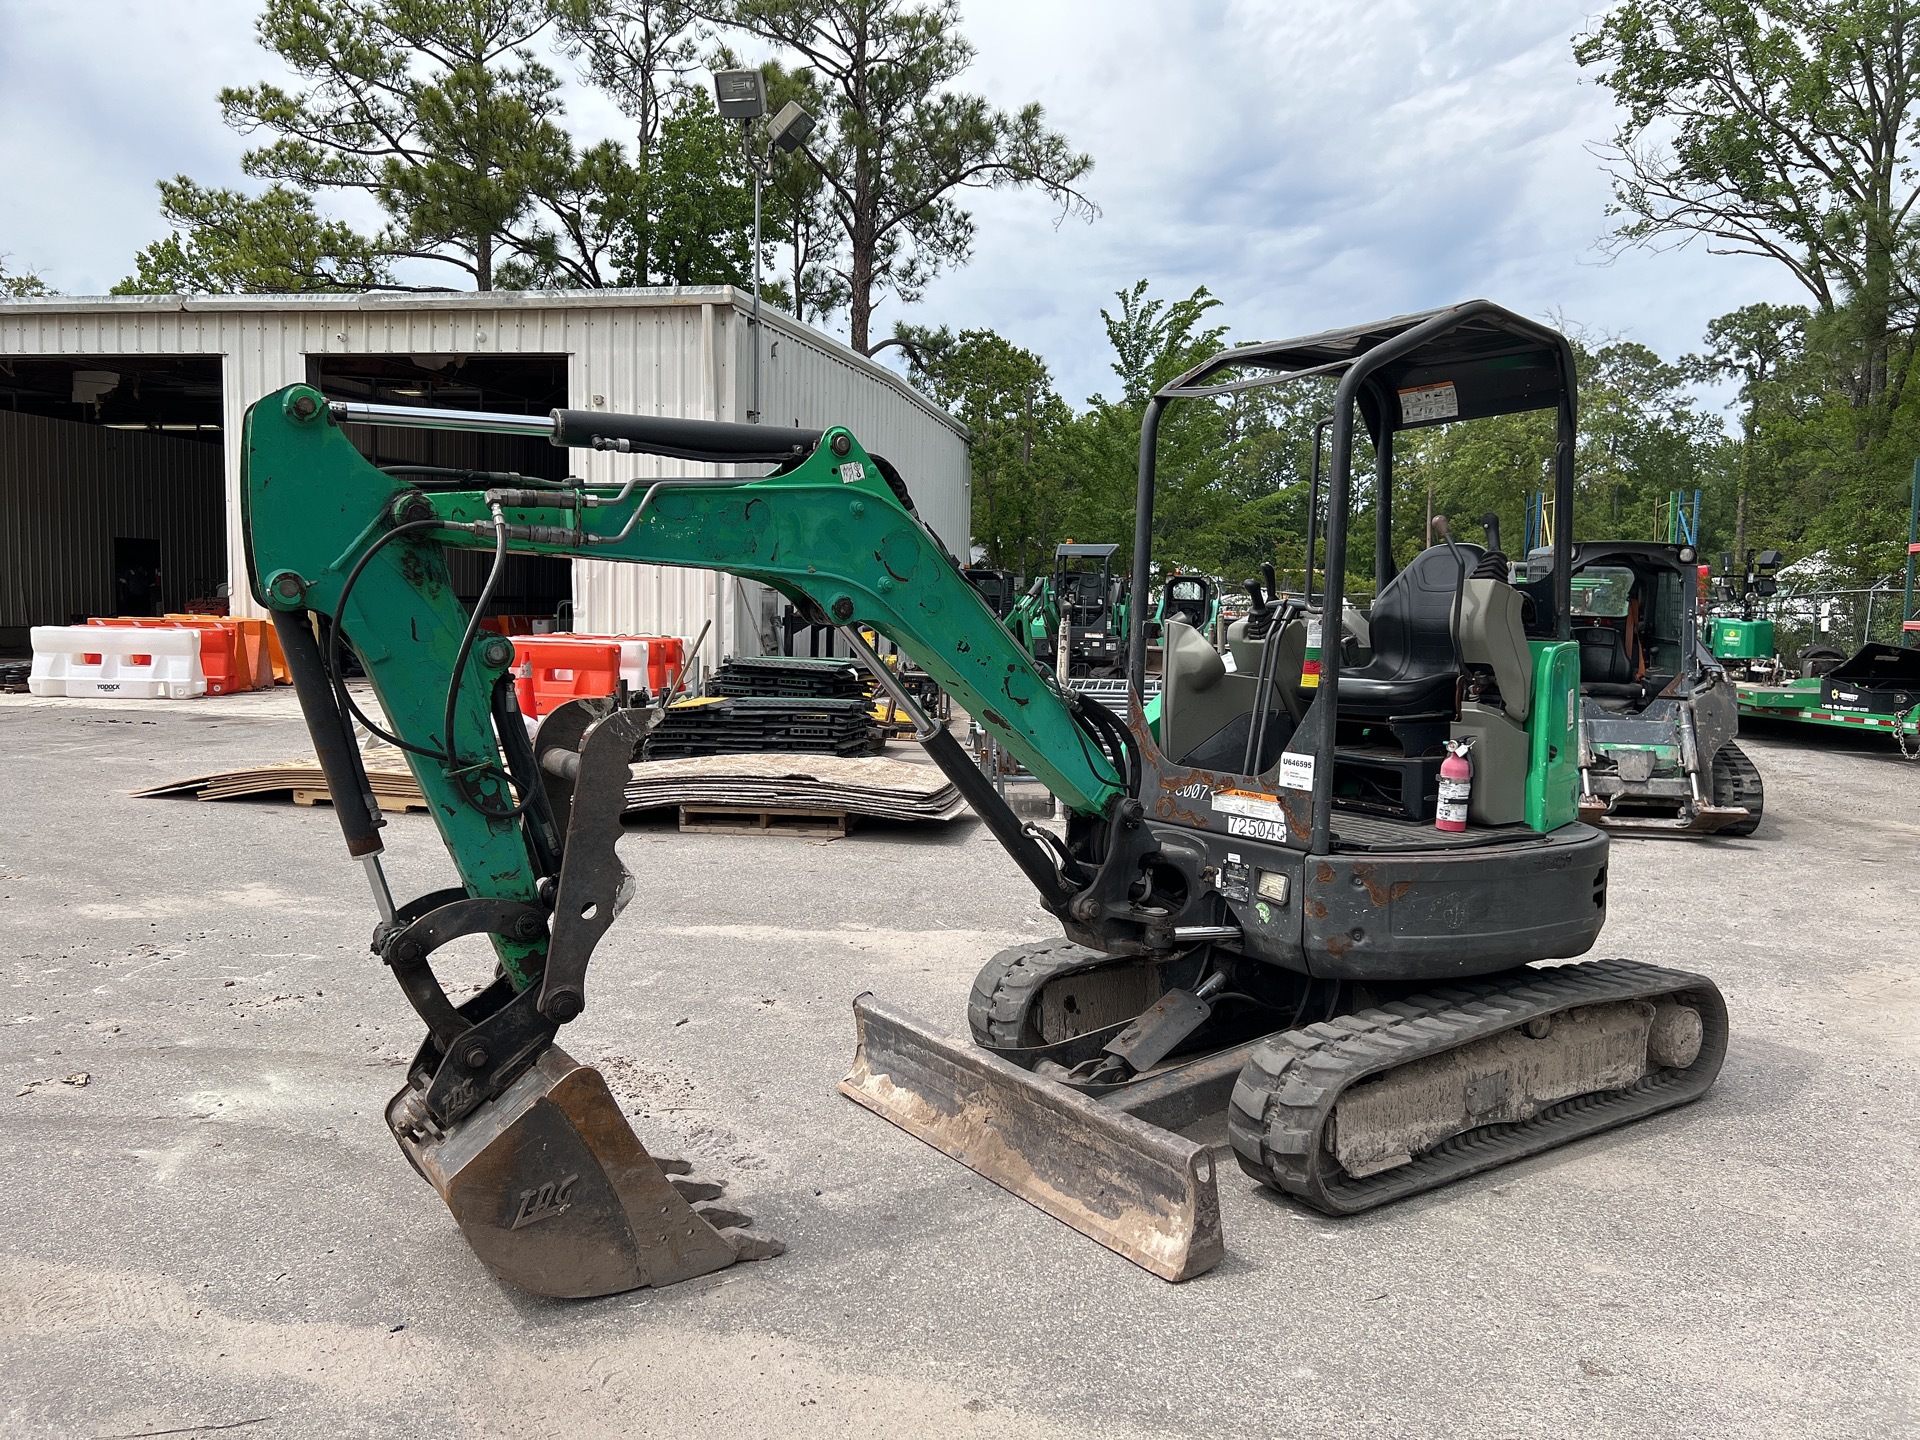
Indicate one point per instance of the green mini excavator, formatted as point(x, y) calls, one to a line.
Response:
point(1267, 947)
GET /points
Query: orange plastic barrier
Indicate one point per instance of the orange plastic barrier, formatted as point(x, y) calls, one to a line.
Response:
point(266, 665)
point(551, 670)
point(647, 662)
point(224, 651)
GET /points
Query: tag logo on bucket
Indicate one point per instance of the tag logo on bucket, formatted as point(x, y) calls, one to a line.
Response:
point(544, 1203)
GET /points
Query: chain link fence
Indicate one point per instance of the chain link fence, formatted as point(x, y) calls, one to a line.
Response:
point(1837, 619)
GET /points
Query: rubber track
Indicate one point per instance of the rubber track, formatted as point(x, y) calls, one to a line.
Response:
point(1286, 1093)
point(1008, 986)
point(1736, 781)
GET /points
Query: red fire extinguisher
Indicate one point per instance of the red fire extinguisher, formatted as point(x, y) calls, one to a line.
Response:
point(1456, 787)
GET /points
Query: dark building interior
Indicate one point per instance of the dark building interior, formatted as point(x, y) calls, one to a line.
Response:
point(516, 384)
point(111, 475)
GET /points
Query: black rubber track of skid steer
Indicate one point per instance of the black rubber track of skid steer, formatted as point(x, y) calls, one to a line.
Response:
point(1287, 1091)
point(1736, 781)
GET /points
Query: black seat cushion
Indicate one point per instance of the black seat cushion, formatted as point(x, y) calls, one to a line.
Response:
point(1603, 655)
point(1416, 664)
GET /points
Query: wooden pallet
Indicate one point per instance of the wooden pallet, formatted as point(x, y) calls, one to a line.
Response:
point(717, 820)
point(392, 804)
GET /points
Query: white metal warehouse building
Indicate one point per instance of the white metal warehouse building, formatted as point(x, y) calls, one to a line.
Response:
point(120, 425)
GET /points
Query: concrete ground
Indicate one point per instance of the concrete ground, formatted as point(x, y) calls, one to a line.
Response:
point(215, 1230)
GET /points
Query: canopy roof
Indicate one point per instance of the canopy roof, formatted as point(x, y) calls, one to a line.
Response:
point(1488, 361)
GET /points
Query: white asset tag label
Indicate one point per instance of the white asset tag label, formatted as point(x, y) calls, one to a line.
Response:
point(1296, 771)
point(1255, 829)
point(1429, 402)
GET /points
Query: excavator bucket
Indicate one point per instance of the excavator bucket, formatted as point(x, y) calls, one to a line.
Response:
point(557, 1196)
point(1142, 1191)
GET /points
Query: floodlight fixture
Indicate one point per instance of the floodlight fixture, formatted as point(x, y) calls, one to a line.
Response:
point(789, 130)
point(740, 94)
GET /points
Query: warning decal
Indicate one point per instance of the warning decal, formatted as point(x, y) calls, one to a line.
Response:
point(1429, 402)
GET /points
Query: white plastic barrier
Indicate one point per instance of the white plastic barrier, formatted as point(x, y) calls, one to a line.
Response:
point(141, 663)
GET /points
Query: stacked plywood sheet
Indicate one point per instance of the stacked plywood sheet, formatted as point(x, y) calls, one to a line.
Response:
point(392, 783)
point(816, 784)
point(885, 789)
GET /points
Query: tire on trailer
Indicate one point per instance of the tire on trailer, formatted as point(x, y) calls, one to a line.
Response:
point(1736, 781)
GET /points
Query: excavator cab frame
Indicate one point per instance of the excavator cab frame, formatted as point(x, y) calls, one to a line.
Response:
point(1465, 362)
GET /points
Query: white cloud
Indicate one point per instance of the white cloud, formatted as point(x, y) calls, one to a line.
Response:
point(1312, 162)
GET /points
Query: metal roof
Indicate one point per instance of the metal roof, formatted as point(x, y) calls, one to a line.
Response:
point(389, 302)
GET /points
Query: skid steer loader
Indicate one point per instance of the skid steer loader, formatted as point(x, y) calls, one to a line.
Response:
point(1658, 713)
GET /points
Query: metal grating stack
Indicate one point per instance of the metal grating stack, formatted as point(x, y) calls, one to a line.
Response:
point(753, 724)
point(785, 675)
point(772, 704)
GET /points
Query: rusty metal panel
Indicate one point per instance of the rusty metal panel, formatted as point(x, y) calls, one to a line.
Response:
point(68, 489)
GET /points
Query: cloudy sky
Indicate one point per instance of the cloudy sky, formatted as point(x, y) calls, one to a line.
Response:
point(1312, 162)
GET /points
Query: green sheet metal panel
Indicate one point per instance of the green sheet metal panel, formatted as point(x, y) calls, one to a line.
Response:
point(1553, 768)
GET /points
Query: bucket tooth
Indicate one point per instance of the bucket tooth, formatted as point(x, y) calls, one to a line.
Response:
point(557, 1196)
point(1145, 1193)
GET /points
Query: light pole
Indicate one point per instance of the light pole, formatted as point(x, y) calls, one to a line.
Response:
point(742, 95)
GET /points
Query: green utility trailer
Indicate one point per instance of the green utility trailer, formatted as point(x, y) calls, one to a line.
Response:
point(1876, 689)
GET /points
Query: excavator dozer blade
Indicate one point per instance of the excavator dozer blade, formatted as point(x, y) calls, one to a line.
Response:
point(556, 1194)
point(1145, 1193)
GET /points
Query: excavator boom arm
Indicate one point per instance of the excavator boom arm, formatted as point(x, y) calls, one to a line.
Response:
point(827, 530)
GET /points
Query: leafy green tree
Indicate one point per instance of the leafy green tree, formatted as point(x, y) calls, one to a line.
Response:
point(1752, 345)
point(437, 109)
point(19, 284)
point(1153, 341)
point(1783, 129)
point(231, 243)
point(798, 209)
point(642, 53)
point(680, 211)
point(1005, 397)
point(897, 144)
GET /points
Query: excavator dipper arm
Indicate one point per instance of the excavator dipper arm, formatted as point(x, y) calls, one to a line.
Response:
point(526, 1147)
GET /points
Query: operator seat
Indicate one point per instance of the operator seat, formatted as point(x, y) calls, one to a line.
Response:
point(1603, 656)
point(1087, 596)
point(1416, 662)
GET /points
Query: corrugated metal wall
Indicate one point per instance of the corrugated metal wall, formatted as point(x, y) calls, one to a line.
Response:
point(653, 361)
point(807, 378)
point(642, 352)
point(67, 490)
